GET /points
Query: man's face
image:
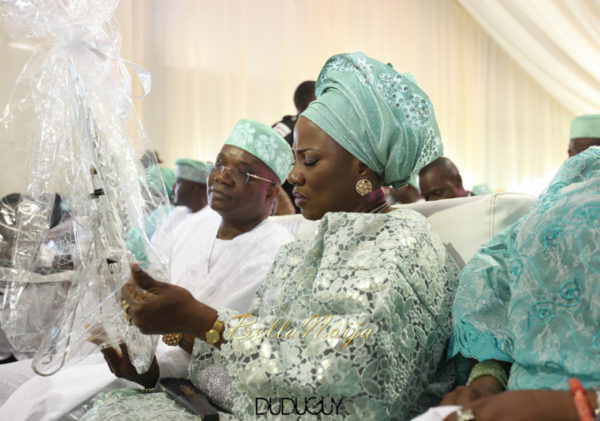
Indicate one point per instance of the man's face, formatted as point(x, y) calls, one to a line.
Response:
point(182, 192)
point(436, 186)
point(228, 192)
point(581, 144)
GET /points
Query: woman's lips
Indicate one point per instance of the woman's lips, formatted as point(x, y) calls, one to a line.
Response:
point(299, 199)
point(299, 202)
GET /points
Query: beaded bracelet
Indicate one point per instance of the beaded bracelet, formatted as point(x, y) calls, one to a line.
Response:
point(172, 339)
point(582, 406)
point(597, 410)
point(488, 368)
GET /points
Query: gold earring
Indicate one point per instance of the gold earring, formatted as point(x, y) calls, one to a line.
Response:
point(364, 186)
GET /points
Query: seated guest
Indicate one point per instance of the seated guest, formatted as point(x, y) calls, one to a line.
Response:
point(529, 300)
point(219, 256)
point(441, 180)
point(240, 245)
point(585, 132)
point(369, 268)
point(158, 179)
point(189, 189)
point(404, 195)
point(303, 95)
point(189, 196)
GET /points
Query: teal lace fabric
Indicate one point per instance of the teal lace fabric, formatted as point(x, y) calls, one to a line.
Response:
point(389, 273)
point(531, 295)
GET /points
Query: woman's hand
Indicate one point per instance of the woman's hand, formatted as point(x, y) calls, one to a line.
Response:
point(481, 387)
point(120, 365)
point(164, 308)
point(523, 405)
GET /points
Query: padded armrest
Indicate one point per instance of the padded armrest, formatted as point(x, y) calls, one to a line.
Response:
point(463, 224)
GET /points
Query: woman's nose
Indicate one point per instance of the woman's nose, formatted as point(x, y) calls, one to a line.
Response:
point(295, 176)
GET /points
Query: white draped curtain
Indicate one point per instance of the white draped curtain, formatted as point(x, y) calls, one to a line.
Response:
point(556, 42)
point(214, 62)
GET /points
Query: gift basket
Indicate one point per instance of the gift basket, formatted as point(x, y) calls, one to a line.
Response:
point(70, 123)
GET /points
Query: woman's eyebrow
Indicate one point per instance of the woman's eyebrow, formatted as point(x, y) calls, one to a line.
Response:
point(304, 150)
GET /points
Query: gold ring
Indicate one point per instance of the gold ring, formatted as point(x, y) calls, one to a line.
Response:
point(124, 305)
point(466, 415)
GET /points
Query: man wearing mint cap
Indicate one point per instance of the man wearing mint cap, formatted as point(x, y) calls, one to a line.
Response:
point(189, 198)
point(222, 261)
point(223, 256)
point(585, 132)
point(189, 188)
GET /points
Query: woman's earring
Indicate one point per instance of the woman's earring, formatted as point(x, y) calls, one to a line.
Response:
point(364, 186)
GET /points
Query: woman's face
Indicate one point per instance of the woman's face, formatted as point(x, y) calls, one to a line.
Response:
point(324, 174)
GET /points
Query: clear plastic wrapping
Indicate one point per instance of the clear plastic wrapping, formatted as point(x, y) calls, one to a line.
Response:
point(70, 122)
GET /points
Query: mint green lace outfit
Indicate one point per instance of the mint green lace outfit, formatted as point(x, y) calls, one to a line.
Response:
point(389, 272)
point(531, 295)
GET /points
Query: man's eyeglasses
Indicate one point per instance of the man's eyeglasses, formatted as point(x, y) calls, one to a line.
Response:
point(237, 175)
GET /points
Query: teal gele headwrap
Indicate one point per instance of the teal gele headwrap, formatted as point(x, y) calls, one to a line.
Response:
point(378, 115)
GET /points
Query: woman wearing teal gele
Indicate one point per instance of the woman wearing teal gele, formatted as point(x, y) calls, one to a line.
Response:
point(530, 300)
point(370, 268)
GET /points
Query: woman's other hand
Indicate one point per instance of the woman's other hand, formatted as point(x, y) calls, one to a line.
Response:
point(120, 365)
point(162, 308)
point(523, 405)
point(481, 387)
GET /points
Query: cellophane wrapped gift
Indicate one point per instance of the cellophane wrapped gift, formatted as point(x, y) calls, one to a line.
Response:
point(71, 127)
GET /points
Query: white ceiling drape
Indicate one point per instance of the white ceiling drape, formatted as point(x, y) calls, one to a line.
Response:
point(556, 41)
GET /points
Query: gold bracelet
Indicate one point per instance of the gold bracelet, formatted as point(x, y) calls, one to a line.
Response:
point(488, 368)
point(172, 339)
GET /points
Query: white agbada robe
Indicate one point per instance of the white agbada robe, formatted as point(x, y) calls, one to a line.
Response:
point(163, 235)
point(236, 269)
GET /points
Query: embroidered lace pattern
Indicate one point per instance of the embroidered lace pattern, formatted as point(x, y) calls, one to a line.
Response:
point(531, 295)
point(385, 272)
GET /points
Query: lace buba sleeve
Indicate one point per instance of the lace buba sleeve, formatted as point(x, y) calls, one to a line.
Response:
point(353, 322)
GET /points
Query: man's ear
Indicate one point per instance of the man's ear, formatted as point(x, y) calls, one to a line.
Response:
point(458, 181)
point(272, 191)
